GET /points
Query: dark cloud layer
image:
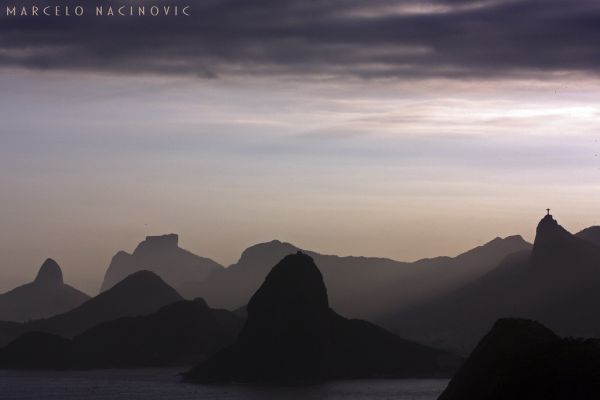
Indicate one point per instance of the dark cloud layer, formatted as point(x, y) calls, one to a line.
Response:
point(329, 38)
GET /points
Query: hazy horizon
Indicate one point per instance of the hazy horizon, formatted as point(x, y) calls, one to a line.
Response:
point(400, 129)
point(88, 279)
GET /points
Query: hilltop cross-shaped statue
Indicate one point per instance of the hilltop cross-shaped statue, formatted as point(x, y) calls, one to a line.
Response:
point(548, 210)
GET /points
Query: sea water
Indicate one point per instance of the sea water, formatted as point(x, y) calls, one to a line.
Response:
point(165, 384)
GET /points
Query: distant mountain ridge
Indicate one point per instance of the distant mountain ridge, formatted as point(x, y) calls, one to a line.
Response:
point(46, 296)
point(364, 287)
point(556, 283)
point(163, 256)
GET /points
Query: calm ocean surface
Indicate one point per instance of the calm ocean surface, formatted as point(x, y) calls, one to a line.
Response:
point(155, 384)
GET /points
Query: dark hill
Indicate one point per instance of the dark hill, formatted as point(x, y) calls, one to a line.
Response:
point(292, 336)
point(46, 296)
point(140, 293)
point(523, 360)
point(557, 283)
point(185, 331)
point(163, 256)
point(37, 350)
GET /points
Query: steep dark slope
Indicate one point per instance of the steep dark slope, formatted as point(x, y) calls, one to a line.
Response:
point(292, 336)
point(184, 332)
point(163, 256)
point(46, 296)
point(364, 287)
point(557, 283)
point(522, 359)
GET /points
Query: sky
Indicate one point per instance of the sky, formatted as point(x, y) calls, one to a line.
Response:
point(401, 129)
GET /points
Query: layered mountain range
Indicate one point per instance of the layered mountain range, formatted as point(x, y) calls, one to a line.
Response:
point(365, 287)
point(556, 283)
point(183, 332)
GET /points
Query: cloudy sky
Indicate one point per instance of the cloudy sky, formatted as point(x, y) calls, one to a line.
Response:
point(403, 129)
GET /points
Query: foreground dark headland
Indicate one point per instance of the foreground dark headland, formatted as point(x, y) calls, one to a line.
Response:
point(523, 360)
point(293, 336)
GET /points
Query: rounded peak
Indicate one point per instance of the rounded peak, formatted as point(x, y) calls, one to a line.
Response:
point(142, 283)
point(264, 250)
point(515, 335)
point(521, 325)
point(200, 302)
point(49, 274)
point(295, 279)
point(142, 276)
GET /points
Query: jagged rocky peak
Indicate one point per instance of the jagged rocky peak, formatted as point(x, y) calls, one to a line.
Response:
point(554, 245)
point(49, 274)
point(170, 240)
point(548, 229)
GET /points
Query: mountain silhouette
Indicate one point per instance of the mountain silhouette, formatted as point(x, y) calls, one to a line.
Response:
point(362, 287)
point(163, 256)
point(46, 296)
point(293, 336)
point(591, 234)
point(140, 293)
point(522, 359)
point(184, 332)
point(557, 283)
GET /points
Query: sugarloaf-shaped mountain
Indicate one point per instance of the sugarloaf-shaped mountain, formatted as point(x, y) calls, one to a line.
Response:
point(522, 359)
point(184, 332)
point(141, 293)
point(163, 256)
point(557, 283)
point(291, 335)
point(361, 287)
point(46, 296)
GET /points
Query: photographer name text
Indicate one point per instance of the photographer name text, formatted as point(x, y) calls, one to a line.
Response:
point(99, 11)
